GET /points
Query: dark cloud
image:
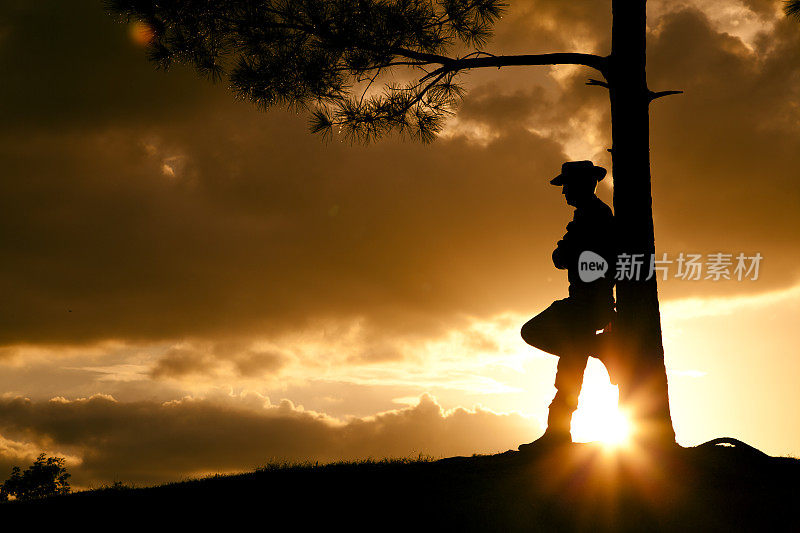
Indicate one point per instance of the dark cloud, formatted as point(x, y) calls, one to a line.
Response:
point(542, 26)
point(490, 105)
point(725, 153)
point(69, 65)
point(180, 362)
point(147, 442)
point(172, 212)
point(764, 8)
point(102, 244)
point(149, 207)
point(254, 363)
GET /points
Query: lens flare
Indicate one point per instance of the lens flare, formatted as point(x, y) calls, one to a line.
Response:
point(141, 33)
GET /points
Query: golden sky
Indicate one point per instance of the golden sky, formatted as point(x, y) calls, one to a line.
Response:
point(190, 285)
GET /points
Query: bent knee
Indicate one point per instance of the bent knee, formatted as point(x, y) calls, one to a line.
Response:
point(529, 333)
point(537, 337)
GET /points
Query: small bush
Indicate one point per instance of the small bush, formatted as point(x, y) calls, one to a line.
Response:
point(47, 476)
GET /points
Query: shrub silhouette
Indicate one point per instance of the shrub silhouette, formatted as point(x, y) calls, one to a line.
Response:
point(47, 476)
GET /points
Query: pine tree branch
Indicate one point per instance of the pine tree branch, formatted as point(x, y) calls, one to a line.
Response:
point(596, 62)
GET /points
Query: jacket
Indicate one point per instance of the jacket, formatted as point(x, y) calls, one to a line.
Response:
point(592, 229)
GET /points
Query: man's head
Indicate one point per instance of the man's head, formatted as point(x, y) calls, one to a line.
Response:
point(578, 180)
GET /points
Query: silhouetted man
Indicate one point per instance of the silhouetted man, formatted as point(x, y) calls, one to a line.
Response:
point(568, 327)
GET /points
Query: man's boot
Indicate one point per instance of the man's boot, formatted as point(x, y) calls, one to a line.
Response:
point(548, 441)
point(557, 434)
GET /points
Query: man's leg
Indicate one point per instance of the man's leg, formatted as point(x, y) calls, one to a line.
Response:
point(562, 329)
point(569, 379)
point(549, 331)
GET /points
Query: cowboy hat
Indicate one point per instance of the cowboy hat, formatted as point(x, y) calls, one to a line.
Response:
point(578, 169)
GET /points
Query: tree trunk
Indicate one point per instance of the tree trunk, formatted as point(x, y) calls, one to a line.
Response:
point(643, 389)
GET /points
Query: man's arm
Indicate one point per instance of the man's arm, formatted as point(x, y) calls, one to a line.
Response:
point(568, 247)
point(564, 251)
point(572, 243)
point(560, 256)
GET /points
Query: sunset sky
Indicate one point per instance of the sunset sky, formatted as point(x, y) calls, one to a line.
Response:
point(190, 285)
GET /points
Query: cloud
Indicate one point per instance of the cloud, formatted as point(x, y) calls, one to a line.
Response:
point(240, 359)
point(153, 210)
point(764, 8)
point(68, 65)
point(693, 308)
point(104, 246)
point(538, 26)
point(724, 152)
point(259, 228)
point(148, 442)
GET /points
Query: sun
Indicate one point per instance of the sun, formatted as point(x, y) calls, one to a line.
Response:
point(598, 418)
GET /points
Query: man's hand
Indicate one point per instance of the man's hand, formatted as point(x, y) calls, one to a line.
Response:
point(561, 256)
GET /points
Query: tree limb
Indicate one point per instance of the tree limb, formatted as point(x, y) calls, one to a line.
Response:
point(660, 94)
point(597, 82)
point(452, 65)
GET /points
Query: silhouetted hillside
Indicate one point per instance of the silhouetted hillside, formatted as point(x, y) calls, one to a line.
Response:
point(583, 488)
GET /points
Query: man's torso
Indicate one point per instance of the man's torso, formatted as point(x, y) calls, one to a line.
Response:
point(591, 229)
